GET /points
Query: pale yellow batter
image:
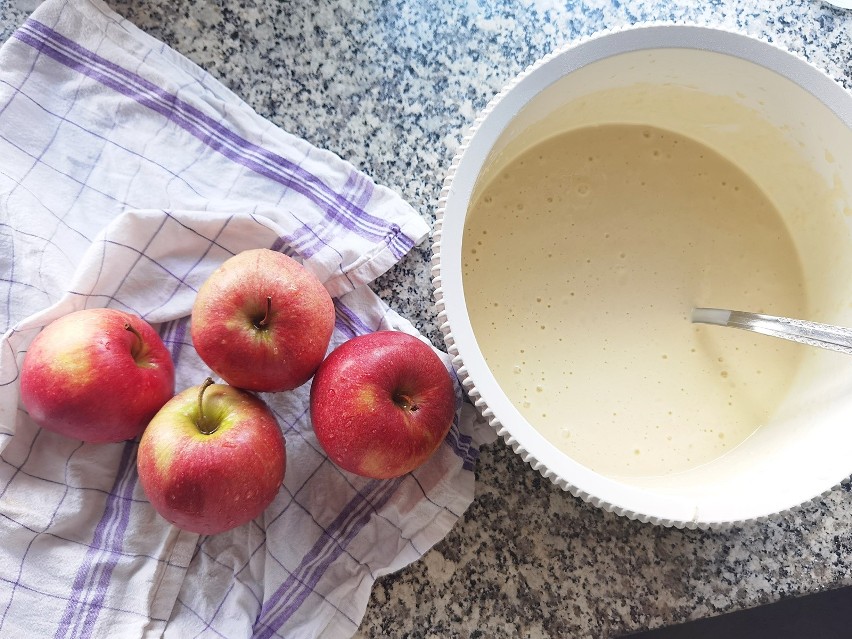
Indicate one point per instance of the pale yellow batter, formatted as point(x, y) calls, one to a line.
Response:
point(582, 262)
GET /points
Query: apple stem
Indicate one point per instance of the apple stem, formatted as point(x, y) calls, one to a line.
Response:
point(137, 345)
point(265, 319)
point(202, 423)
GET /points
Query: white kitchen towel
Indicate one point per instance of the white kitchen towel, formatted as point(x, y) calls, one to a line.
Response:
point(127, 174)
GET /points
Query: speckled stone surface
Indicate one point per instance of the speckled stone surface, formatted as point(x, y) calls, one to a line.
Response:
point(392, 86)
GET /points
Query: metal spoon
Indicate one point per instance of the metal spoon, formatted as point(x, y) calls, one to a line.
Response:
point(834, 338)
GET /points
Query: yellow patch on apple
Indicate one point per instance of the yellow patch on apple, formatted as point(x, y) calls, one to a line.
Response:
point(367, 398)
point(163, 453)
point(72, 369)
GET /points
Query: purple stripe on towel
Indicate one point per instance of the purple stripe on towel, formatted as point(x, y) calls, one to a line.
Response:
point(348, 322)
point(108, 537)
point(302, 581)
point(337, 208)
point(114, 546)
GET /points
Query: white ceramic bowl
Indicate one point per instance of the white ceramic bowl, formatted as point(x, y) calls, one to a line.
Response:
point(792, 134)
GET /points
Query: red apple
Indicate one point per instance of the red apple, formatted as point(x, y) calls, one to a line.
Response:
point(98, 375)
point(212, 458)
point(262, 321)
point(381, 404)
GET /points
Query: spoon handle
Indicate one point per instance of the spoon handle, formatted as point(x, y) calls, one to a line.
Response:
point(834, 338)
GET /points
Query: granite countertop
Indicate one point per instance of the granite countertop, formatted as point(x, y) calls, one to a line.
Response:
point(392, 86)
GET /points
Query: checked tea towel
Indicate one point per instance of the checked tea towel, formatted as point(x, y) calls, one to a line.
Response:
point(127, 174)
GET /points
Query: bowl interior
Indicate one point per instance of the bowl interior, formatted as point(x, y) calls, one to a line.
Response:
point(789, 128)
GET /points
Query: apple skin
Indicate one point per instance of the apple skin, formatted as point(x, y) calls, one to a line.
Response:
point(87, 377)
point(228, 328)
point(210, 483)
point(381, 404)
